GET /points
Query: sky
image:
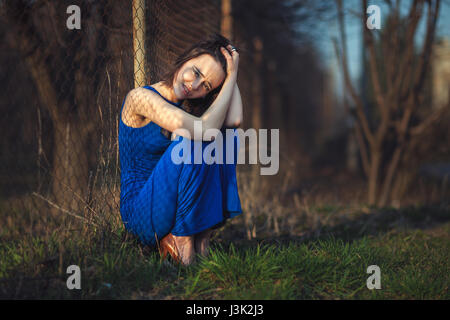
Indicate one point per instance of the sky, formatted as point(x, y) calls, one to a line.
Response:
point(354, 35)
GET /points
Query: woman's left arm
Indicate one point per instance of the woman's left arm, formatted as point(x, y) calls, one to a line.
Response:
point(233, 118)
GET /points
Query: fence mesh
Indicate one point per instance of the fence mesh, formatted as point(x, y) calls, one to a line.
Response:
point(62, 90)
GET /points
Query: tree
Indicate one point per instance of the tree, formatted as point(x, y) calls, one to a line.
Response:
point(398, 84)
point(67, 68)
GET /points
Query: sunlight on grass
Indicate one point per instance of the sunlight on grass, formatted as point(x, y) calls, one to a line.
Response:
point(326, 269)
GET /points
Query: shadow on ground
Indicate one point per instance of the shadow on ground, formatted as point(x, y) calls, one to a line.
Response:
point(375, 222)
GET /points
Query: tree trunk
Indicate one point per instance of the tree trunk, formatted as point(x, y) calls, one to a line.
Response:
point(390, 175)
point(256, 122)
point(70, 165)
point(375, 161)
point(257, 84)
point(400, 185)
point(226, 25)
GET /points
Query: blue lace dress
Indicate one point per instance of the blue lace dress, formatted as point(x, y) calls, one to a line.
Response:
point(158, 196)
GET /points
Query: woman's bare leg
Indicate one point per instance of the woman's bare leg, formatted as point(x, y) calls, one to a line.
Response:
point(185, 246)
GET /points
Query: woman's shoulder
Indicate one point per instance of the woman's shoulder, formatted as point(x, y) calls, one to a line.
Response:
point(130, 111)
point(129, 115)
point(151, 90)
point(155, 87)
point(151, 103)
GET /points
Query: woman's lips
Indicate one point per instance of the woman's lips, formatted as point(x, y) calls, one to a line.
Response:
point(185, 90)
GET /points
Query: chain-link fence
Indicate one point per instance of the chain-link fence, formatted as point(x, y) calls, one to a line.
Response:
point(62, 90)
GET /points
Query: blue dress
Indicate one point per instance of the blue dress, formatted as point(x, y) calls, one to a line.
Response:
point(158, 196)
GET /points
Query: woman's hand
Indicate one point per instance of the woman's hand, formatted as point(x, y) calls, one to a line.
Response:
point(232, 60)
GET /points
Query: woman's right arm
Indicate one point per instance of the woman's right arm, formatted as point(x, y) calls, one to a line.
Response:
point(149, 104)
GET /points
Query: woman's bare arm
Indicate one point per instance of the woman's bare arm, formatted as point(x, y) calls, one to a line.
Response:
point(234, 116)
point(150, 105)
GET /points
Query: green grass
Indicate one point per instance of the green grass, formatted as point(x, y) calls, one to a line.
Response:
point(411, 246)
point(414, 264)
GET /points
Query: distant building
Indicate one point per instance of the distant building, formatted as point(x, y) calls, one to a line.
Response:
point(441, 73)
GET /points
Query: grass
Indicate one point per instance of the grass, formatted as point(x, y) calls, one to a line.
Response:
point(412, 252)
point(413, 266)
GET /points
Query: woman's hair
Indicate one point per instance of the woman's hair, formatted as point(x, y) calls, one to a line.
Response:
point(211, 46)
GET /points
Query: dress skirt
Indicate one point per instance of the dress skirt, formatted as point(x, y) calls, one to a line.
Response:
point(188, 197)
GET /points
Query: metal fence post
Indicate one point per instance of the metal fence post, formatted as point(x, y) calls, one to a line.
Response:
point(139, 42)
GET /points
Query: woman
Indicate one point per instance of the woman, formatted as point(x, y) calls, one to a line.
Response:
point(176, 206)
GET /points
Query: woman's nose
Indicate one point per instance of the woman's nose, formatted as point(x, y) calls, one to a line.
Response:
point(195, 85)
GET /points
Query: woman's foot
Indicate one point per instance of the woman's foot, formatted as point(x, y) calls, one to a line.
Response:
point(181, 249)
point(201, 242)
point(185, 245)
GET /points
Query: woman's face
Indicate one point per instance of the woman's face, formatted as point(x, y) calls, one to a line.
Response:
point(197, 77)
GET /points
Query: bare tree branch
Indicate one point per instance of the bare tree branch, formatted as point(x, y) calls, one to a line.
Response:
point(363, 149)
point(64, 210)
point(403, 76)
point(379, 96)
point(343, 59)
point(433, 117)
point(428, 45)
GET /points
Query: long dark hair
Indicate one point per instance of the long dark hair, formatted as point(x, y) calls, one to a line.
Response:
point(211, 46)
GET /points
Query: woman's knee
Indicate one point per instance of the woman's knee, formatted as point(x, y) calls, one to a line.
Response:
point(188, 152)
